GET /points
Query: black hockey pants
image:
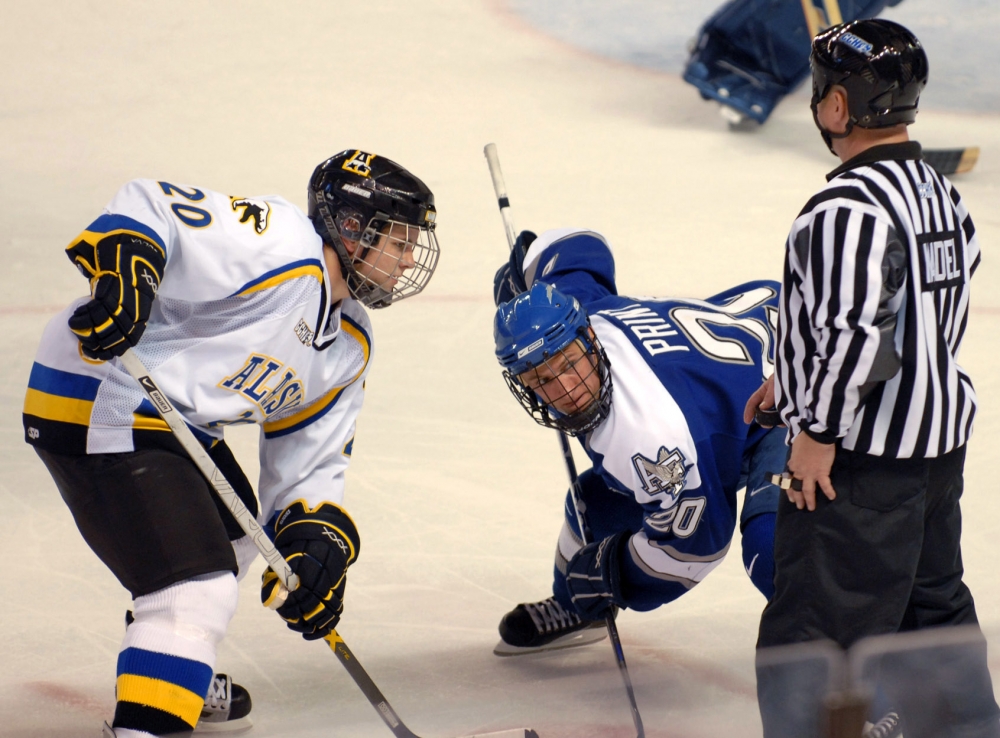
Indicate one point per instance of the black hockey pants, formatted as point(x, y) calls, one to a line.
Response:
point(883, 557)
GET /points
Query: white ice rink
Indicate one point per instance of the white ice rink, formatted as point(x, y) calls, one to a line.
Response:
point(457, 494)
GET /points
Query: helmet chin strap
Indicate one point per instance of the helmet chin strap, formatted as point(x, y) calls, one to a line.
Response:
point(828, 135)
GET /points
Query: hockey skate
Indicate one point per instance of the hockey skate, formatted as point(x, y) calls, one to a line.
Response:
point(226, 709)
point(545, 626)
point(888, 727)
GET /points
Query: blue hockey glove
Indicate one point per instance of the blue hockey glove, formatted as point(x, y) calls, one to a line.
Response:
point(593, 576)
point(509, 280)
point(124, 272)
point(318, 544)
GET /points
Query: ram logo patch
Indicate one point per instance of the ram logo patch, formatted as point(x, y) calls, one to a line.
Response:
point(665, 475)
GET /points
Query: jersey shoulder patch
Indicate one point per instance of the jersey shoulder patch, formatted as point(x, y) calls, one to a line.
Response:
point(664, 475)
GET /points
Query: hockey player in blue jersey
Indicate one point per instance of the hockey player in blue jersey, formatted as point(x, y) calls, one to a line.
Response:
point(655, 390)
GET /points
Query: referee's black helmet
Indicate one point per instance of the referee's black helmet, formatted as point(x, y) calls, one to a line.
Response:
point(880, 64)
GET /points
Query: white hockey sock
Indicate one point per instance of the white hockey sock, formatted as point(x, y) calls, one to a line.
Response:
point(167, 658)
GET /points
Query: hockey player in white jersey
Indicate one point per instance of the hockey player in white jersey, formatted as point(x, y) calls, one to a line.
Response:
point(247, 310)
point(655, 390)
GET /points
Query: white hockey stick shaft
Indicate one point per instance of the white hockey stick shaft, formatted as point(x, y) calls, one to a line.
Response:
point(500, 188)
point(215, 478)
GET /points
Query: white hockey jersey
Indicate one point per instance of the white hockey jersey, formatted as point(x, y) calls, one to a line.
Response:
point(242, 331)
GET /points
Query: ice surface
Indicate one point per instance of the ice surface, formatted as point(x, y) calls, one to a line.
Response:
point(457, 494)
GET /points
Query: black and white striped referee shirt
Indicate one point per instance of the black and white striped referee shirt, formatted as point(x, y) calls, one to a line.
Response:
point(874, 303)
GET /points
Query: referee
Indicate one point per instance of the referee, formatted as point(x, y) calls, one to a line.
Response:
point(874, 304)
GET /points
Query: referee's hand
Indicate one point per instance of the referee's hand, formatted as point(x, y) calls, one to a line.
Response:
point(811, 461)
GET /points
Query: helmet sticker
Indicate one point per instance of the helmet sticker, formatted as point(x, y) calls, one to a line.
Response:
point(360, 163)
point(355, 190)
point(856, 44)
point(528, 349)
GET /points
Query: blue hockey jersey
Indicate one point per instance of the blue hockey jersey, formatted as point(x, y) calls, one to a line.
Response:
point(682, 370)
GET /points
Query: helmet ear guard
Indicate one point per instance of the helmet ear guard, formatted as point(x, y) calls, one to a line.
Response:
point(349, 224)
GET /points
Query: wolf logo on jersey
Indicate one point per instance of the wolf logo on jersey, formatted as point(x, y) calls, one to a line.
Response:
point(259, 210)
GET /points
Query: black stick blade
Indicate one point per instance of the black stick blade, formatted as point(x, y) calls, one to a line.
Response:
point(952, 161)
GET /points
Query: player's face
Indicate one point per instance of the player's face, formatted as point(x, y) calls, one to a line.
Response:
point(568, 382)
point(385, 262)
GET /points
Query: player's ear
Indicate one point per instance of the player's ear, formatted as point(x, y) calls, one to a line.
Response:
point(839, 110)
point(350, 246)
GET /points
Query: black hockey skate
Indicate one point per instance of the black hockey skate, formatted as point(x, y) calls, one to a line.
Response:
point(545, 626)
point(226, 709)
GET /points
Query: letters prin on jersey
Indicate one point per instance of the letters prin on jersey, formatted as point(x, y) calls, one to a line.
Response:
point(651, 330)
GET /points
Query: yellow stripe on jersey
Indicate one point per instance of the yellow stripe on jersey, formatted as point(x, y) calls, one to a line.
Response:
point(54, 407)
point(145, 422)
point(323, 404)
point(319, 406)
point(355, 331)
point(166, 696)
point(272, 279)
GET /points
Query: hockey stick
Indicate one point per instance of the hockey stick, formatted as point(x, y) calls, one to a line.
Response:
point(952, 161)
point(500, 188)
point(382, 706)
point(289, 580)
point(133, 364)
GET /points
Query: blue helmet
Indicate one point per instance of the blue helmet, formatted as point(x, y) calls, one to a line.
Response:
point(532, 330)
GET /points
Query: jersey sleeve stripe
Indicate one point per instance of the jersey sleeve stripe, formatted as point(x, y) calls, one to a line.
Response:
point(302, 268)
point(108, 225)
point(663, 562)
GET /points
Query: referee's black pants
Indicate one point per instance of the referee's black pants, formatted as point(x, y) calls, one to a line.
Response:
point(883, 557)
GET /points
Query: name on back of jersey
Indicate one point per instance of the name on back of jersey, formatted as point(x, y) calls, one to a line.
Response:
point(651, 329)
